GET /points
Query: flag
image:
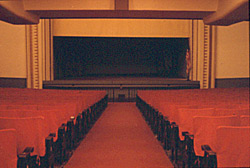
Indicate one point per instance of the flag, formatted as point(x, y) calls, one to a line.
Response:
point(188, 61)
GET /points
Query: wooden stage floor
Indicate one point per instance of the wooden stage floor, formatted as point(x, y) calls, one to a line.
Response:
point(121, 81)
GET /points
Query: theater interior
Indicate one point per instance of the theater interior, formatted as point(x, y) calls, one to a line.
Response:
point(124, 83)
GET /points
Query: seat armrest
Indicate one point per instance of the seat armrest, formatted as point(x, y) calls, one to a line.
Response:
point(173, 125)
point(187, 135)
point(210, 158)
point(24, 158)
point(52, 135)
point(28, 150)
point(208, 150)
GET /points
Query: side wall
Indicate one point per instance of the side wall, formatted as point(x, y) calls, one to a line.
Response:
point(12, 55)
point(232, 55)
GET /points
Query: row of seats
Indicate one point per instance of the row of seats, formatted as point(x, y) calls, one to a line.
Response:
point(40, 128)
point(200, 128)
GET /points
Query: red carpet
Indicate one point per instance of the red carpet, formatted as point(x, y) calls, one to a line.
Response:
point(120, 139)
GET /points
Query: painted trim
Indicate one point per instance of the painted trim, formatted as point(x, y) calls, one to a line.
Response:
point(203, 54)
point(39, 53)
point(206, 58)
point(28, 56)
point(47, 48)
point(13, 82)
point(213, 56)
point(32, 42)
point(232, 82)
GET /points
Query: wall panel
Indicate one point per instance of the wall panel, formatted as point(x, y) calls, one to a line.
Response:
point(12, 51)
point(232, 51)
point(122, 27)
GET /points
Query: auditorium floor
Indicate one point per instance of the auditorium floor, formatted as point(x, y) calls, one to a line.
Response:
point(120, 139)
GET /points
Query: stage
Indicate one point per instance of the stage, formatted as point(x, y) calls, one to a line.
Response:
point(141, 82)
point(122, 88)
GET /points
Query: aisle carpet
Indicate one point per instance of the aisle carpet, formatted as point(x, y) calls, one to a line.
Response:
point(120, 139)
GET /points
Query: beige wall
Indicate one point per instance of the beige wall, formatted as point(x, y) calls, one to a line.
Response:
point(12, 51)
point(232, 51)
point(173, 5)
point(122, 27)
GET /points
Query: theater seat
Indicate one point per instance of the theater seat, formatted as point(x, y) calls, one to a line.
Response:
point(233, 146)
point(204, 128)
point(8, 148)
point(29, 132)
point(186, 118)
point(245, 120)
point(231, 111)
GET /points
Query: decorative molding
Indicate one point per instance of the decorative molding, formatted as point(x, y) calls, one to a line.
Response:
point(35, 56)
point(47, 36)
point(33, 75)
point(28, 55)
point(213, 57)
point(194, 49)
point(206, 58)
point(39, 54)
point(202, 46)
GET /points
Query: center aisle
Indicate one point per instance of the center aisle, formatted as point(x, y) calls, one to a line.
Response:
point(120, 138)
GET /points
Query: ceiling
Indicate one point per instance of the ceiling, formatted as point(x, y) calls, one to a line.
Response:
point(212, 12)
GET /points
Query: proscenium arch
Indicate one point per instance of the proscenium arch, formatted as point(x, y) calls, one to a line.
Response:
point(40, 41)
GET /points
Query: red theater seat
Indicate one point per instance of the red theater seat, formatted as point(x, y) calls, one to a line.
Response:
point(233, 146)
point(245, 120)
point(186, 118)
point(193, 111)
point(8, 148)
point(51, 118)
point(30, 133)
point(204, 128)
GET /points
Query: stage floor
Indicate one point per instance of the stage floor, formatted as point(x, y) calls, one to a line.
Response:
point(122, 88)
point(123, 81)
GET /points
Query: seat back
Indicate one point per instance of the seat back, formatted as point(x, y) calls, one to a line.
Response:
point(186, 118)
point(204, 128)
point(233, 146)
point(30, 132)
point(8, 148)
point(245, 120)
point(231, 111)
